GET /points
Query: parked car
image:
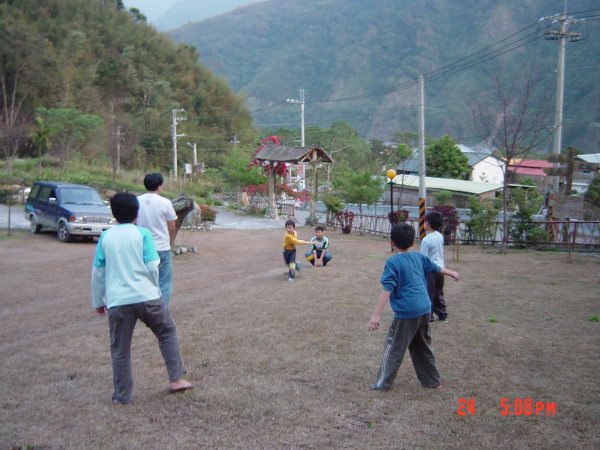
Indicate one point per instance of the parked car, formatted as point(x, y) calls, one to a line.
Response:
point(69, 209)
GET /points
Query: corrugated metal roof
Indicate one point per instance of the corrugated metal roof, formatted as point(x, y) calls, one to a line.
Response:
point(412, 165)
point(591, 158)
point(528, 171)
point(537, 163)
point(447, 184)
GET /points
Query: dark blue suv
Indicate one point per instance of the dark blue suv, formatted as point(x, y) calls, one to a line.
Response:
point(69, 209)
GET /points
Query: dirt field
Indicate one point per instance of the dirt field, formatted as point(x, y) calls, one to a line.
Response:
point(287, 365)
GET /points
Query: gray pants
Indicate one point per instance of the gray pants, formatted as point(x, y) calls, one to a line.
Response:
point(414, 335)
point(122, 320)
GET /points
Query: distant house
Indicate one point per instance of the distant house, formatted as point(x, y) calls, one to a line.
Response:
point(586, 168)
point(533, 169)
point(485, 168)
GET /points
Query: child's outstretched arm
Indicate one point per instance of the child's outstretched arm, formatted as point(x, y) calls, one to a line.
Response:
point(384, 298)
point(450, 273)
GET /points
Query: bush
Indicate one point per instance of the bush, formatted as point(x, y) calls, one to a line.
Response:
point(482, 223)
point(450, 224)
point(345, 220)
point(398, 216)
point(208, 214)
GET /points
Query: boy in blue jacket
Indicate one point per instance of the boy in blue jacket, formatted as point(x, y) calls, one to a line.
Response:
point(405, 288)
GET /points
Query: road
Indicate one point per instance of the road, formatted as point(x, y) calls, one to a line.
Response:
point(226, 219)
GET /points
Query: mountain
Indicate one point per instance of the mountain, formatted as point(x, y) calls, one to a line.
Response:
point(94, 57)
point(185, 11)
point(358, 61)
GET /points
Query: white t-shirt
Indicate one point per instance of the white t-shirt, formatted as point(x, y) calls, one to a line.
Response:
point(432, 245)
point(155, 211)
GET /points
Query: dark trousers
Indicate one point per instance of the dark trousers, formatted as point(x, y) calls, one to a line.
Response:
point(122, 320)
point(435, 289)
point(414, 335)
point(289, 256)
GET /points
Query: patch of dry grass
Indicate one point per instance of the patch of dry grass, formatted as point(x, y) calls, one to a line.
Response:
point(287, 365)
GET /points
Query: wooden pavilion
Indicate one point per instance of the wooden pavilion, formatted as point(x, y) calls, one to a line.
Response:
point(274, 153)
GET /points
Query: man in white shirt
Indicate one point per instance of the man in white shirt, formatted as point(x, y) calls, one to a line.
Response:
point(158, 215)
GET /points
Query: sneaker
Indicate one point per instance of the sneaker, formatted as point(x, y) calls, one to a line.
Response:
point(375, 387)
point(291, 279)
point(432, 319)
point(445, 319)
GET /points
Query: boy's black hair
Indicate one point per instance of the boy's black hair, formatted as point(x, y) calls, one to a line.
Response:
point(403, 236)
point(290, 222)
point(124, 206)
point(319, 228)
point(153, 181)
point(435, 220)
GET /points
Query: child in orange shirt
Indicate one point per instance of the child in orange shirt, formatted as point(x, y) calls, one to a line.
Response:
point(290, 240)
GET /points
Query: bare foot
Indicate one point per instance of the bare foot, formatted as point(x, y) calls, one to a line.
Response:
point(180, 386)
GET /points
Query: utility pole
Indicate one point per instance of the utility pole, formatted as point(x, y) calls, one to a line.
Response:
point(118, 162)
point(561, 34)
point(300, 104)
point(193, 145)
point(422, 169)
point(175, 137)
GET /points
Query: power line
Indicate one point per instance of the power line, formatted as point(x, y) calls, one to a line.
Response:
point(467, 62)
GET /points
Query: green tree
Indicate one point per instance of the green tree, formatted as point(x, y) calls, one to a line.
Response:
point(592, 195)
point(68, 129)
point(445, 160)
point(482, 223)
point(237, 172)
point(359, 187)
point(522, 227)
point(21, 60)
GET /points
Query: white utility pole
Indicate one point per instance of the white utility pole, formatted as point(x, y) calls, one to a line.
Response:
point(561, 34)
point(119, 134)
point(193, 145)
point(175, 137)
point(422, 168)
point(300, 104)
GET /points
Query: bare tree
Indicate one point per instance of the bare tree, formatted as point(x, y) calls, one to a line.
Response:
point(515, 119)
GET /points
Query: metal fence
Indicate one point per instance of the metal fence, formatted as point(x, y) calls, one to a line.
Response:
point(565, 234)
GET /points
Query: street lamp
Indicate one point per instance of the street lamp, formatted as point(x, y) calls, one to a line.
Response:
point(391, 174)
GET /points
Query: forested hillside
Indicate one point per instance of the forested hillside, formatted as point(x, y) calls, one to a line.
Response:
point(83, 78)
point(358, 62)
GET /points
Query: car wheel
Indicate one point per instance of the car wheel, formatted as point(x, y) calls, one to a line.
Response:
point(63, 234)
point(34, 226)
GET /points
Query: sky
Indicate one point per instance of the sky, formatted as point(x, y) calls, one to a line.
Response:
point(152, 9)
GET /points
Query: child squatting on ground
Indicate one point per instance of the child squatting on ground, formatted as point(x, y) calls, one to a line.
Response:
point(432, 246)
point(125, 282)
point(403, 282)
point(319, 254)
point(290, 240)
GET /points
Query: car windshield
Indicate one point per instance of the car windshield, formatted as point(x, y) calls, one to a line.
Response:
point(80, 196)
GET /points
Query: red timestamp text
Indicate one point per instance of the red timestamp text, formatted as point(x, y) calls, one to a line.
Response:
point(526, 407)
point(511, 407)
